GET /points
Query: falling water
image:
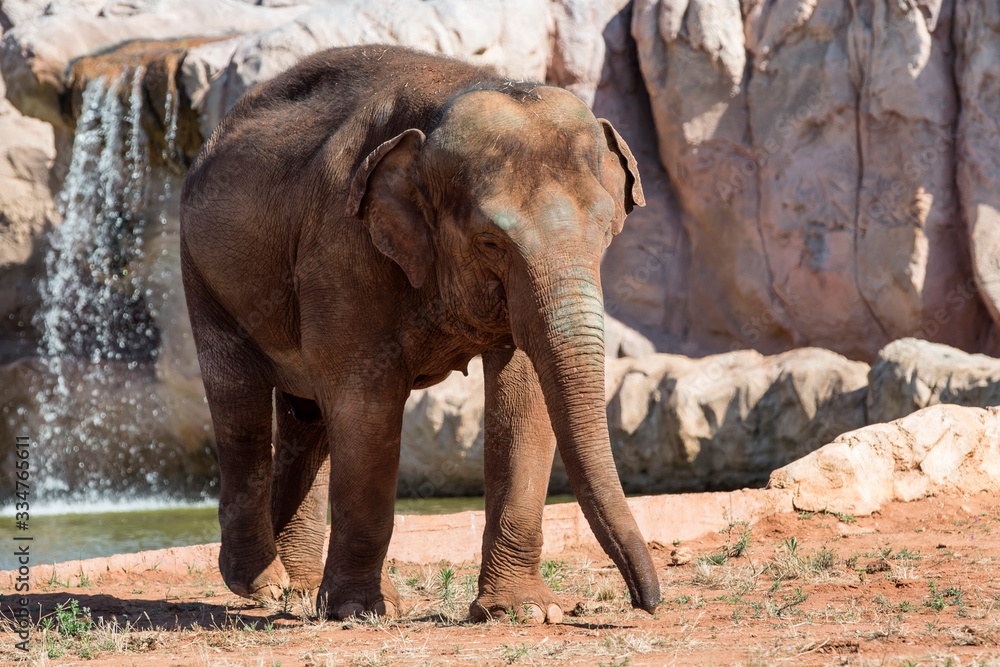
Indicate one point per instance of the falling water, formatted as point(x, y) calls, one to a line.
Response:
point(99, 406)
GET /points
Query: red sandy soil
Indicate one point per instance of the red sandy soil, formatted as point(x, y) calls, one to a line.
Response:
point(911, 585)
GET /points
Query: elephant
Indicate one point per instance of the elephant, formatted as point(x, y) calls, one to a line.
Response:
point(362, 225)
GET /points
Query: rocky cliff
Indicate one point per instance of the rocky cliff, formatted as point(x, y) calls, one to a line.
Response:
point(817, 173)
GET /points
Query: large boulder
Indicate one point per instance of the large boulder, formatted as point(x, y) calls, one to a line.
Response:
point(676, 424)
point(811, 147)
point(725, 421)
point(940, 449)
point(910, 374)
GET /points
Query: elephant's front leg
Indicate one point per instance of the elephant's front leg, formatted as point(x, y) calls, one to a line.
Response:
point(364, 430)
point(519, 446)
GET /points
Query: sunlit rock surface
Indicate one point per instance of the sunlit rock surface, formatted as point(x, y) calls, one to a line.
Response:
point(911, 374)
point(676, 424)
point(815, 175)
point(940, 449)
point(814, 146)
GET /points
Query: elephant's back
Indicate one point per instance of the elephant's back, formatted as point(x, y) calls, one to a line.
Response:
point(295, 140)
point(354, 97)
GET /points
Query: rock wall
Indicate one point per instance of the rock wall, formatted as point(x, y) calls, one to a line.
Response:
point(817, 173)
point(814, 146)
point(676, 424)
point(27, 210)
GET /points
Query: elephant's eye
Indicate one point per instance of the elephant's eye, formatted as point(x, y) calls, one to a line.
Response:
point(489, 244)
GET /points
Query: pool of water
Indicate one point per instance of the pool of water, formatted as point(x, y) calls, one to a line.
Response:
point(60, 536)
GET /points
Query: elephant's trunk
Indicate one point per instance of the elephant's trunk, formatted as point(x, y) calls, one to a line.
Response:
point(557, 317)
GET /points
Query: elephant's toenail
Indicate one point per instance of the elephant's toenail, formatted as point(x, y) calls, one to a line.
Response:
point(385, 608)
point(267, 593)
point(533, 613)
point(349, 609)
point(554, 614)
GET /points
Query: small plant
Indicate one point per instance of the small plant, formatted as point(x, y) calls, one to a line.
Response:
point(737, 538)
point(822, 560)
point(737, 534)
point(613, 663)
point(843, 518)
point(70, 620)
point(798, 597)
point(71, 628)
point(955, 592)
point(937, 601)
point(55, 583)
point(791, 545)
point(512, 654)
point(374, 659)
point(553, 573)
point(446, 576)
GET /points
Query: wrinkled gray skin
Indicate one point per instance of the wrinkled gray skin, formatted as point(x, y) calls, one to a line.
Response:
point(362, 225)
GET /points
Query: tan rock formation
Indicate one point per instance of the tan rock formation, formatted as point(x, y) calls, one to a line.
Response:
point(940, 449)
point(36, 54)
point(811, 148)
point(977, 45)
point(728, 420)
point(676, 424)
point(27, 210)
point(911, 374)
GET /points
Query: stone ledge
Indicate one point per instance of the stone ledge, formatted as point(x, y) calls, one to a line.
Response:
point(458, 537)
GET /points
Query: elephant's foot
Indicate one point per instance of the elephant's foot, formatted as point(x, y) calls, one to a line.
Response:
point(344, 600)
point(533, 603)
point(304, 574)
point(305, 585)
point(263, 583)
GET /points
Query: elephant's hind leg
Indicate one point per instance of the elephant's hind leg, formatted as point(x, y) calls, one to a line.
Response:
point(519, 446)
point(248, 558)
point(239, 397)
point(300, 490)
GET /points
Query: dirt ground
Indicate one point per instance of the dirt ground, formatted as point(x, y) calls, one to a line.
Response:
point(911, 585)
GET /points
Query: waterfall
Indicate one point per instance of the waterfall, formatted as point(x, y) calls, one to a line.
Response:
point(101, 411)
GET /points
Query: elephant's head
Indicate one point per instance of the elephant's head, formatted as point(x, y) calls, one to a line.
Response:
point(508, 203)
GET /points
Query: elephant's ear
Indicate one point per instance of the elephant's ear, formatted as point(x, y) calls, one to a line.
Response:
point(627, 195)
point(383, 195)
